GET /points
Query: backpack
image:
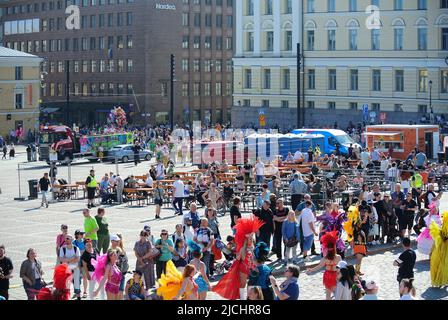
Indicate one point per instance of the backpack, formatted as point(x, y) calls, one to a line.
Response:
point(64, 249)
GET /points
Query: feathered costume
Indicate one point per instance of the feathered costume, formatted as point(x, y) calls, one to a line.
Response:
point(228, 287)
point(171, 282)
point(352, 219)
point(62, 278)
point(424, 241)
point(331, 222)
point(439, 255)
point(100, 267)
point(328, 242)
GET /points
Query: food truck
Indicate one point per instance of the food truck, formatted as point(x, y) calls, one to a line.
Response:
point(403, 139)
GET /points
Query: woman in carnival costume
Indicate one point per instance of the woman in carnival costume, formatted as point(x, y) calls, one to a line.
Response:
point(333, 221)
point(355, 236)
point(233, 285)
point(62, 279)
point(173, 284)
point(439, 255)
point(424, 241)
point(330, 261)
point(107, 274)
point(259, 276)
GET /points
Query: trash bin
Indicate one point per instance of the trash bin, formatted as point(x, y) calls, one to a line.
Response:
point(441, 157)
point(32, 184)
point(28, 154)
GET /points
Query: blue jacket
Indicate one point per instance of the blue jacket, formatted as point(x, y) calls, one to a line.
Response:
point(288, 230)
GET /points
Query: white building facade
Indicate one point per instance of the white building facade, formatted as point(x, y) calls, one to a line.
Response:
point(389, 55)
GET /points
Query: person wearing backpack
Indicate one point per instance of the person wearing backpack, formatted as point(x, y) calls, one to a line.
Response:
point(122, 262)
point(70, 255)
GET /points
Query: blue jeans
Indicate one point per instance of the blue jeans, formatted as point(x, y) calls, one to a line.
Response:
point(135, 296)
point(259, 179)
point(32, 291)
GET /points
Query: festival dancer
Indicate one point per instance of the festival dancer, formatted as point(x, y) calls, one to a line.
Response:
point(439, 255)
point(107, 274)
point(200, 278)
point(62, 279)
point(261, 273)
point(330, 262)
point(170, 282)
point(333, 221)
point(189, 288)
point(355, 236)
point(228, 287)
point(424, 241)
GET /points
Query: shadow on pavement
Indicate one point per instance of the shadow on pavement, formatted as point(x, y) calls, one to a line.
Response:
point(32, 209)
point(434, 293)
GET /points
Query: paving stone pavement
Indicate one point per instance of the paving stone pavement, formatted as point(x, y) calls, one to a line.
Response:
point(25, 224)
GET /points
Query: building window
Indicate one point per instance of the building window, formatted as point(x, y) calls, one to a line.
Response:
point(267, 79)
point(353, 106)
point(265, 103)
point(443, 4)
point(353, 39)
point(218, 89)
point(423, 81)
point(422, 108)
point(332, 79)
point(185, 42)
point(331, 34)
point(270, 41)
point(398, 108)
point(285, 104)
point(445, 38)
point(398, 4)
point(19, 100)
point(310, 6)
point(444, 81)
point(288, 41)
point(185, 65)
point(197, 65)
point(311, 79)
point(286, 79)
point(250, 42)
point(422, 5)
point(398, 39)
point(331, 105)
point(354, 79)
point(375, 39)
point(422, 38)
point(331, 5)
point(197, 89)
point(310, 104)
point(248, 79)
point(246, 102)
point(376, 80)
point(19, 73)
point(399, 80)
point(185, 89)
point(250, 7)
point(310, 39)
point(376, 107)
point(130, 65)
point(353, 5)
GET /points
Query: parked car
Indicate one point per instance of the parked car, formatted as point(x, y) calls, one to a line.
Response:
point(124, 153)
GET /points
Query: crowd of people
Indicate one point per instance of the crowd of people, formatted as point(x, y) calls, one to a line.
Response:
point(183, 263)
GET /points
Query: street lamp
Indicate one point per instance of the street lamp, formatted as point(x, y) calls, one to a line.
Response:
point(430, 102)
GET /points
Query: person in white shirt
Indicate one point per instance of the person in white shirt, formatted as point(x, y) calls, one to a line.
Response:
point(384, 165)
point(371, 290)
point(70, 255)
point(407, 289)
point(344, 282)
point(188, 229)
point(298, 156)
point(149, 182)
point(259, 171)
point(376, 156)
point(120, 187)
point(307, 220)
point(112, 179)
point(392, 175)
point(365, 158)
point(178, 194)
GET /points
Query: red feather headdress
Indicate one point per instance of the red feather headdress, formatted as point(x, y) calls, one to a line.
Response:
point(329, 240)
point(244, 227)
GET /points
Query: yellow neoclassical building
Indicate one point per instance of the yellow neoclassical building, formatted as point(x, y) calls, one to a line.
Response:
point(19, 90)
point(390, 55)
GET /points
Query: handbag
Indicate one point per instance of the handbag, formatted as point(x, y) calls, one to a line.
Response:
point(292, 242)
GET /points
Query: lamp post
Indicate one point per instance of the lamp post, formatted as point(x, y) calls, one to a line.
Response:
point(299, 69)
point(431, 117)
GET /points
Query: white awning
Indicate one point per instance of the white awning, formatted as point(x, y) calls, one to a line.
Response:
point(387, 134)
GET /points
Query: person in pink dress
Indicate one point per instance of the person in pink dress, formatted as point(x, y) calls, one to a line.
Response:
point(107, 274)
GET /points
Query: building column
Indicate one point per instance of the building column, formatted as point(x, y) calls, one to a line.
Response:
point(257, 27)
point(239, 28)
point(277, 27)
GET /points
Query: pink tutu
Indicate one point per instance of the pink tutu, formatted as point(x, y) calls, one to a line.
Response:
point(425, 242)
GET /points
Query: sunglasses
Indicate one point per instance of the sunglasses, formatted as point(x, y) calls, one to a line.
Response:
point(164, 234)
point(68, 239)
